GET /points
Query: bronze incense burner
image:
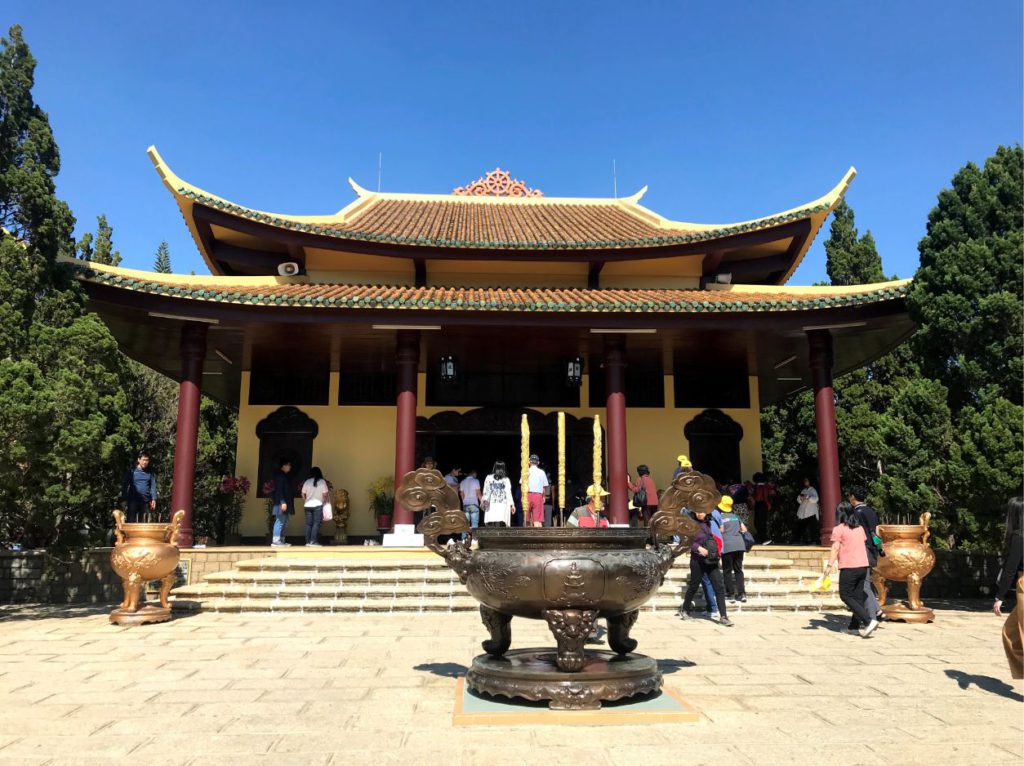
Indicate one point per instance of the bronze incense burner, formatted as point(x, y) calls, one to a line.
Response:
point(144, 552)
point(569, 577)
point(908, 558)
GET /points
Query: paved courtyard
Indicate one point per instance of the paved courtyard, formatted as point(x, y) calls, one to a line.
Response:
point(275, 689)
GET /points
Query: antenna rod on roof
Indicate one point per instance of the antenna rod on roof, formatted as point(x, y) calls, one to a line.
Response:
point(615, 181)
point(380, 162)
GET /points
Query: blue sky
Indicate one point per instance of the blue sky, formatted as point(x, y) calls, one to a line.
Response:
point(726, 110)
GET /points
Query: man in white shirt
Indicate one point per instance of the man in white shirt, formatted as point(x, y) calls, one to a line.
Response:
point(807, 513)
point(537, 481)
point(469, 489)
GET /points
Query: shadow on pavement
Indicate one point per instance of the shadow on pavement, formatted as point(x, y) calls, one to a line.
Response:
point(443, 669)
point(985, 683)
point(52, 611)
point(671, 666)
point(833, 622)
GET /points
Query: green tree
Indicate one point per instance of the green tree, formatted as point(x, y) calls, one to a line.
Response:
point(105, 252)
point(851, 260)
point(63, 425)
point(967, 294)
point(935, 425)
point(162, 264)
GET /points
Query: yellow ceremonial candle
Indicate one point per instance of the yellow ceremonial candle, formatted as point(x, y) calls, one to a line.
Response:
point(524, 478)
point(597, 460)
point(561, 460)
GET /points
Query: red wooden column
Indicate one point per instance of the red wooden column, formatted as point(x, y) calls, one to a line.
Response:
point(615, 414)
point(820, 354)
point(193, 352)
point(407, 360)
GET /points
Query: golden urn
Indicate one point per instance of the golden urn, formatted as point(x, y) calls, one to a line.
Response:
point(908, 558)
point(142, 553)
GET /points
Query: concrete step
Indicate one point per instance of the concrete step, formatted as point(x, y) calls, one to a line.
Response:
point(432, 564)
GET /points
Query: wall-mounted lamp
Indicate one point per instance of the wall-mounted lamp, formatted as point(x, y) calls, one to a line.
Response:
point(574, 372)
point(449, 369)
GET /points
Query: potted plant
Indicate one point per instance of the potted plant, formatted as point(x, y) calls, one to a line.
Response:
point(233, 490)
point(382, 500)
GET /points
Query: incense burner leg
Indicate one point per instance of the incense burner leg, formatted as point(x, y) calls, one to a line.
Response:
point(618, 632)
point(499, 624)
point(881, 588)
point(132, 592)
point(914, 591)
point(571, 628)
point(166, 583)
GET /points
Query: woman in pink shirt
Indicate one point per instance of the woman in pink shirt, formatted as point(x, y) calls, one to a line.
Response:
point(849, 551)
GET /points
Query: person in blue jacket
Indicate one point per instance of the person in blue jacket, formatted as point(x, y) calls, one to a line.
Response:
point(281, 502)
point(138, 490)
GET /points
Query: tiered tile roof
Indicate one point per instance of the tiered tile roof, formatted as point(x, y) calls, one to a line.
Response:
point(256, 292)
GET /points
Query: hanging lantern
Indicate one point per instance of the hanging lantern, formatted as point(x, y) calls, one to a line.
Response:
point(449, 369)
point(574, 372)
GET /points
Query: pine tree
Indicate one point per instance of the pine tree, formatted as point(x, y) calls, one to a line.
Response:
point(63, 426)
point(162, 264)
point(103, 251)
point(851, 260)
point(967, 295)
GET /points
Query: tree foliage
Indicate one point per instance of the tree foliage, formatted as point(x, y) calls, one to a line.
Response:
point(64, 424)
point(851, 260)
point(935, 425)
point(162, 263)
point(99, 248)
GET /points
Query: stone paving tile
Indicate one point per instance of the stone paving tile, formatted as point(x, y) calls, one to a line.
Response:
point(304, 689)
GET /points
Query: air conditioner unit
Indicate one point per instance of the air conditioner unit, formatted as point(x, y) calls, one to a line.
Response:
point(288, 269)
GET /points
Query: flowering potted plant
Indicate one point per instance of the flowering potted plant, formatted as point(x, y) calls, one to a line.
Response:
point(233, 490)
point(382, 500)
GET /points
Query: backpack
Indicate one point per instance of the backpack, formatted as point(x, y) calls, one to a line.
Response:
point(640, 496)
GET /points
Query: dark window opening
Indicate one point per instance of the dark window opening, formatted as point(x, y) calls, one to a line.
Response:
point(282, 382)
point(645, 386)
point(719, 389)
point(367, 388)
point(542, 388)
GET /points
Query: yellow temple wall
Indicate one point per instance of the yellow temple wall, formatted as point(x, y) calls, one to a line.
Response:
point(356, 445)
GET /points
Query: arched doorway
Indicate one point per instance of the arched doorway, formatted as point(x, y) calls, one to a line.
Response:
point(714, 440)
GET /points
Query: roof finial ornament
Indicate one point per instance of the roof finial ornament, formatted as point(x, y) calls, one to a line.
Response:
point(497, 183)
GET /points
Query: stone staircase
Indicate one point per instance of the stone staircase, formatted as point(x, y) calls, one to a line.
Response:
point(424, 584)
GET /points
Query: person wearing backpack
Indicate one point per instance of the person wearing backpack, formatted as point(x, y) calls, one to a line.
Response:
point(869, 520)
point(705, 555)
point(733, 548)
point(645, 496)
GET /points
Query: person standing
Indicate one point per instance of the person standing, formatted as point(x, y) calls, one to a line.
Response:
point(138, 489)
point(704, 558)
point(469, 490)
point(315, 492)
point(645, 495)
point(497, 497)
point(762, 496)
point(807, 513)
point(453, 477)
point(1011, 577)
point(733, 548)
point(537, 488)
point(869, 520)
point(589, 516)
point(849, 552)
point(281, 502)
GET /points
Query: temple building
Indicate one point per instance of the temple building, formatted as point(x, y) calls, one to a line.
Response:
point(412, 324)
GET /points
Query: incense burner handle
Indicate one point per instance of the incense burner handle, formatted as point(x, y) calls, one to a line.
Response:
point(690, 490)
point(450, 522)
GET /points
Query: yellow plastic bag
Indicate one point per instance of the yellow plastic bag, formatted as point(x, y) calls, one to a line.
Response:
point(822, 583)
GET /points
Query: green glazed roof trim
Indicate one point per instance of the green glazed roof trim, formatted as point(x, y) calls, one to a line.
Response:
point(448, 299)
point(668, 239)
